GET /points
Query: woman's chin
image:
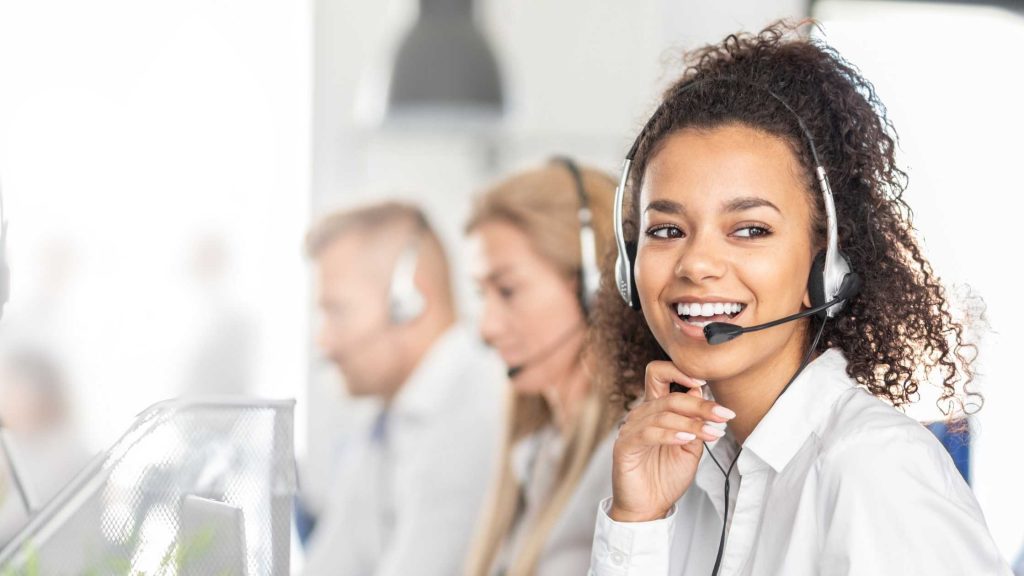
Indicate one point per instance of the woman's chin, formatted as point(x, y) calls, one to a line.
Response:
point(706, 366)
point(526, 385)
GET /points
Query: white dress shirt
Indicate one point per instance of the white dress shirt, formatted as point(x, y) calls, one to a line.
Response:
point(411, 490)
point(832, 481)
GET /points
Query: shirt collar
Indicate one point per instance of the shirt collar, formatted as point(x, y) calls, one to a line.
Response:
point(428, 387)
point(786, 426)
point(800, 410)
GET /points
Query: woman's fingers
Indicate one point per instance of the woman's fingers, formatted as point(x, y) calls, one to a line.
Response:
point(682, 428)
point(690, 404)
point(666, 418)
point(699, 429)
point(654, 436)
point(661, 374)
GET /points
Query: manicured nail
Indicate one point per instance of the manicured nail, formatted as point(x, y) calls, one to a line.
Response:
point(685, 436)
point(723, 412)
point(712, 431)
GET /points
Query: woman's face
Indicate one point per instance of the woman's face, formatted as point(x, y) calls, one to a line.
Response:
point(725, 236)
point(531, 313)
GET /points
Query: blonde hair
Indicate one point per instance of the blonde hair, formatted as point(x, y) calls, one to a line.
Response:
point(543, 203)
point(365, 219)
point(381, 218)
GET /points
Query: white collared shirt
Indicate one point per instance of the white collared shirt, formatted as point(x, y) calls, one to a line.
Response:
point(832, 481)
point(408, 499)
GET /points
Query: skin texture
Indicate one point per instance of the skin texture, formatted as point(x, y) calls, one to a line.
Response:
point(726, 217)
point(531, 316)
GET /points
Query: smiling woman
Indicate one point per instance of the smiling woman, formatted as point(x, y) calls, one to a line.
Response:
point(900, 329)
point(769, 156)
point(753, 223)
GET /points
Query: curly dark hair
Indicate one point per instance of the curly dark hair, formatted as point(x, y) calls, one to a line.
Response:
point(900, 329)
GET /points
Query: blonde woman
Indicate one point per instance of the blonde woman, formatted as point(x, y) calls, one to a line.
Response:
point(537, 237)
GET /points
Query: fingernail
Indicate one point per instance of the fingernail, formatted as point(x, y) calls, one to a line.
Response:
point(712, 431)
point(701, 382)
point(685, 436)
point(723, 412)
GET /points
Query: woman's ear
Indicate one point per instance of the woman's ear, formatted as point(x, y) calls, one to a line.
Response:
point(813, 280)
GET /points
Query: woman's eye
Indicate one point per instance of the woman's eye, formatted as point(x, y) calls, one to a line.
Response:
point(752, 232)
point(506, 293)
point(665, 232)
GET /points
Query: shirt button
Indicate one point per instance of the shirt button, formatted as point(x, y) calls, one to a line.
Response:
point(618, 558)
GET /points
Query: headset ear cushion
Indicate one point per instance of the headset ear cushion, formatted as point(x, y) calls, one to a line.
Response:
point(634, 294)
point(816, 283)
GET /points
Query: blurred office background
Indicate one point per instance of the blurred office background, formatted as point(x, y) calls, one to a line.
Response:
point(160, 162)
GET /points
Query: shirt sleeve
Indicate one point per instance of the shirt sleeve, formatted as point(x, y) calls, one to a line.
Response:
point(631, 548)
point(895, 504)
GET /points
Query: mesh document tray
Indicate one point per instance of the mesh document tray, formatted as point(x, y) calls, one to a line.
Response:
point(195, 487)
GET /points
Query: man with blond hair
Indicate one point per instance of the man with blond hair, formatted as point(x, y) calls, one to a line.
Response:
point(411, 484)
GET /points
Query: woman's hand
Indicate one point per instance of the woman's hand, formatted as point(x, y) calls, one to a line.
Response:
point(659, 445)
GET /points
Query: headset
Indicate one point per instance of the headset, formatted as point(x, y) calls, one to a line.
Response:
point(831, 283)
point(589, 273)
point(406, 302)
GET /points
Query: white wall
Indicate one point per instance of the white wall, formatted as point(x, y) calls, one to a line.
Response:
point(129, 129)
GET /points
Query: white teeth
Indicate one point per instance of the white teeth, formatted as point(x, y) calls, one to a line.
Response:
point(695, 309)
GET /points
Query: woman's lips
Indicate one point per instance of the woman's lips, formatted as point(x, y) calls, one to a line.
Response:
point(694, 327)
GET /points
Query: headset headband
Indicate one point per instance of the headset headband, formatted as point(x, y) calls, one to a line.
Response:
point(835, 266)
point(590, 274)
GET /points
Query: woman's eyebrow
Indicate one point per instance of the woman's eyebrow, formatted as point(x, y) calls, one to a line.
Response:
point(666, 206)
point(499, 273)
point(747, 203)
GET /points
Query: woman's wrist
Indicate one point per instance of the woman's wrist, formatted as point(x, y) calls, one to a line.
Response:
point(619, 515)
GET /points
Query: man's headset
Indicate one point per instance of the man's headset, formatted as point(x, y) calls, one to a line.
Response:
point(405, 301)
point(589, 275)
point(832, 281)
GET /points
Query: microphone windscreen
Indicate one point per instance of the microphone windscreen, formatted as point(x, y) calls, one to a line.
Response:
point(721, 332)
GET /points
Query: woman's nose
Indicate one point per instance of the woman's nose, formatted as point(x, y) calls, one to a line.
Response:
point(700, 259)
point(491, 323)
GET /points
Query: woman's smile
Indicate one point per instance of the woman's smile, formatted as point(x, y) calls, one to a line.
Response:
point(692, 314)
